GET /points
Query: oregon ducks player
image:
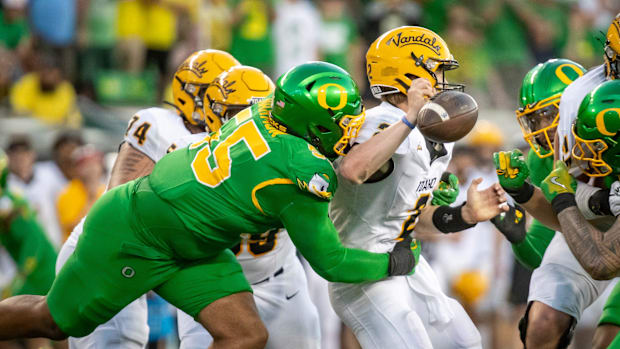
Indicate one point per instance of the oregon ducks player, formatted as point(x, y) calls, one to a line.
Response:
point(151, 134)
point(171, 231)
point(268, 260)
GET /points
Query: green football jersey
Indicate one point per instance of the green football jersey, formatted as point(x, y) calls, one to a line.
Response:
point(539, 168)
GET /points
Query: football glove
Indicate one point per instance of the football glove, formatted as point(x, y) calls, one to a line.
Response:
point(559, 181)
point(511, 224)
point(404, 257)
point(511, 169)
point(447, 190)
point(614, 198)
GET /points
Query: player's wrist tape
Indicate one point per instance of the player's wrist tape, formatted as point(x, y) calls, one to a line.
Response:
point(450, 220)
point(402, 259)
point(523, 194)
point(406, 122)
point(563, 201)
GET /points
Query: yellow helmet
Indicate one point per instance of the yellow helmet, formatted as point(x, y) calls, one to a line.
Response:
point(232, 91)
point(470, 286)
point(486, 133)
point(612, 49)
point(193, 77)
point(406, 53)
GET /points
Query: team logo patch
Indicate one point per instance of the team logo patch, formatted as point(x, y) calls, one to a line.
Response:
point(318, 185)
point(128, 272)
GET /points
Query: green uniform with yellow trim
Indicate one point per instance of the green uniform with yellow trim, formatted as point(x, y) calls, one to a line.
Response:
point(171, 231)
point(531, 250)
point(26, 242)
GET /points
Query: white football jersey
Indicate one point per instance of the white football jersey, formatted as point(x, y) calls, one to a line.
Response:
point(154, 131)
point(569, 106)
point(371, 216)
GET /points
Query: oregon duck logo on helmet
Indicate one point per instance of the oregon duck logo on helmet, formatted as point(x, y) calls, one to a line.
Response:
point(596, 130)
point(232, 91)
point(192, 78)
point(320, 103)
point(404, 54)
point(612, 49)
point(539, 102)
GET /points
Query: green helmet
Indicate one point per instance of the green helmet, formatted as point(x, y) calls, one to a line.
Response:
point(4, 170)
point(320, 103)
point(597, 131)
point(539, 101)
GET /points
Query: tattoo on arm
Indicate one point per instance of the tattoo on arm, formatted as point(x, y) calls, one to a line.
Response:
point(598, 252)
point(130, 164)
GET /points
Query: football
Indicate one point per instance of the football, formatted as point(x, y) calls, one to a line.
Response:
point(448, 116)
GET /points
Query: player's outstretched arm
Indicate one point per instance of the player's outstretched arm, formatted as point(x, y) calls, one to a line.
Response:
point(481, 206)
point(364, 159)
point(598, 252)
point(307, 222)
point(129, 165)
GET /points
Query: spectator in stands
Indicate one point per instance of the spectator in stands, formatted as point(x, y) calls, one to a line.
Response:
point(383, 15)
point(46, 95)
point(339, 37)
point(251, 33)
point(76, 199)
point(14, 30)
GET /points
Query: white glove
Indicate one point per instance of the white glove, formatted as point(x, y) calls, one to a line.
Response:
point(614, 198)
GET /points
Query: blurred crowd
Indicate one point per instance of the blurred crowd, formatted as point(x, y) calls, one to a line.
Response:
point(61, 57)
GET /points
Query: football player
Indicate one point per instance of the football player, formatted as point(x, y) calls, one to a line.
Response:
point(381, 199)
point(266, 168)
point(591, 201)
point(150, 135)
point(560, 289)
point(268, 260)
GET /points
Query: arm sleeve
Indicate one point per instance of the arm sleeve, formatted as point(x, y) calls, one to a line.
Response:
point(306, 220)
point(530, 251)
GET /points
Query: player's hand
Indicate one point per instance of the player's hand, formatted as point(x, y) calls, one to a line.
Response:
point(614, 198)
point(404, 257)
point(511, 224)
point(447, 190)
point(511, 169)
point(419, 93)
point(483, 205)
point(559, 181)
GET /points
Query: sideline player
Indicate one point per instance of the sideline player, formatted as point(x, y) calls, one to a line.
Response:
point(269, 259)
point(264, 169)
point(378, 209)
point(150, 135)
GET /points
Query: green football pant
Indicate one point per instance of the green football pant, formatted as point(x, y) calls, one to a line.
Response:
point(116, 261)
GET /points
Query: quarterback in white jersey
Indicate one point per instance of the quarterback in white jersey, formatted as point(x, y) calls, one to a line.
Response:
point(268, 260)
point(380, 212)
point(151, 134)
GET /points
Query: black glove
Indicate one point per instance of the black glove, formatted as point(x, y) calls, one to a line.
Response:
point(511, 224)
point(402, 260)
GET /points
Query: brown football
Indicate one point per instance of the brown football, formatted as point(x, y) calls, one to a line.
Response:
point(448, 116)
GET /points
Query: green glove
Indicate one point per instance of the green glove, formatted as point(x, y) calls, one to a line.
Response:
point(511, 169)
point(447, 190)
point(559, 181)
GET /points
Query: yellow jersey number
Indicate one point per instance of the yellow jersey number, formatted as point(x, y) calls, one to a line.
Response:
point(247, 133)
point(258, 244)
point(411, 221)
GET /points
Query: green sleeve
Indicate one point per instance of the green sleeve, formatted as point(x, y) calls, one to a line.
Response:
point(530, 251)
point(305, 218)
point(539, 168)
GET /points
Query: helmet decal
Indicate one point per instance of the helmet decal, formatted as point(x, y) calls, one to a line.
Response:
point(561, 74)
point(322, 96)
point(600, 121)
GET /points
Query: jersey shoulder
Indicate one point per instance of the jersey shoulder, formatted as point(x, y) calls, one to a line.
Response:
point(153, 131)
point(539, 168)
point(377, 119)
point(310, 170)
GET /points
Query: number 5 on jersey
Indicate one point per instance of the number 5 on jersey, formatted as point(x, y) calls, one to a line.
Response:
point(247, 133)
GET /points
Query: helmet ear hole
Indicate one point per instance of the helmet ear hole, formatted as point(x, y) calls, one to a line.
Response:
point(322, 129)
point(310, 85)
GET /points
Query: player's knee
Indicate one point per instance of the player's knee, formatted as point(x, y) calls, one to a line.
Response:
point(48, 326)
point(546, 325)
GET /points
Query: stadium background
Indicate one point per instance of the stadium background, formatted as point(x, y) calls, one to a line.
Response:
point(77, 70)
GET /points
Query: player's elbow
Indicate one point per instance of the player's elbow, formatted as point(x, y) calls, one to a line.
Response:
point(352, 171)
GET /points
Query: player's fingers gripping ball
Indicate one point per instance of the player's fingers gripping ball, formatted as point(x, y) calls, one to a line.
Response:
point(559, 181)
point(447, 190)
point(511, 169)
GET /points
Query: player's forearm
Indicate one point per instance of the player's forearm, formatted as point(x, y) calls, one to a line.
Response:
point(353, 266)
point(129, 165)
point(366, 158)
point(598, 252)
point(541, 209)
